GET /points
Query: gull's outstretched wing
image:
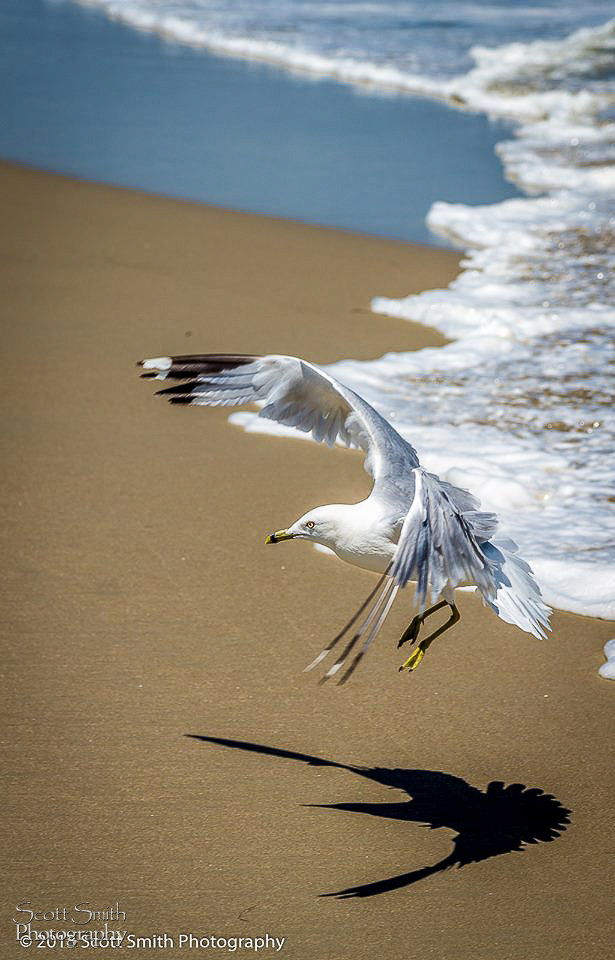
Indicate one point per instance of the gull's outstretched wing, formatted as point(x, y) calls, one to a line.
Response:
point(439, 543)
point(297, 394)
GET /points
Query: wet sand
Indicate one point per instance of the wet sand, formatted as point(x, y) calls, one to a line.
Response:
point(143, 615)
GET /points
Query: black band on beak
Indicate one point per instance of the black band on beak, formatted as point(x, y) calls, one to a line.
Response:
point(278, 536)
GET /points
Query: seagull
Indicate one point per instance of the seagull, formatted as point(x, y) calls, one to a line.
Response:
point(412, 526)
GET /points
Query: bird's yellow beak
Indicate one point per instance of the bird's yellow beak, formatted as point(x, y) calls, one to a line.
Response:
point(279, 535)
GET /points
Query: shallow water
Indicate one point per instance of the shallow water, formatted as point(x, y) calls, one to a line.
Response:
point(84, 95)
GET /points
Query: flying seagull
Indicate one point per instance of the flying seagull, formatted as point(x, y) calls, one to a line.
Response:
point(412, 527)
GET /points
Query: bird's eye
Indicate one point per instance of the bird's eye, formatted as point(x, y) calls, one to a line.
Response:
point(310, 524)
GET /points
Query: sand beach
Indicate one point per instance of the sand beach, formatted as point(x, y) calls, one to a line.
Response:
point(164, 755)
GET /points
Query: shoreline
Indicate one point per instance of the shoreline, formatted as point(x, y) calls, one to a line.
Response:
point(164, 750)
point(185, 122)
point(439, 245)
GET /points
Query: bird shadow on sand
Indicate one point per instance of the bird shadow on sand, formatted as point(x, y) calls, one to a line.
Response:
point(488, 823)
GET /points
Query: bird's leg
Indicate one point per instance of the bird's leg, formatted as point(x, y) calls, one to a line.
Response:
point(415, 658)
point(411, 633)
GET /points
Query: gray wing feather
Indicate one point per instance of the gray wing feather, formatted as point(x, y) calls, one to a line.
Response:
point(483, 525)
point(518, 598)
point(296, 394)
point(439, 543)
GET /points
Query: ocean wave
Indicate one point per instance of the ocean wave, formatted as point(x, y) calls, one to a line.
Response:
point(319, 40)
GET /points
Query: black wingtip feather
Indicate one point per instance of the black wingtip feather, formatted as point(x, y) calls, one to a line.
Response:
point(189, 366)
point(177, 389)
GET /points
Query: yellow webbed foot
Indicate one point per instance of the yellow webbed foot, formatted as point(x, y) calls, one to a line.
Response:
point(413, 660)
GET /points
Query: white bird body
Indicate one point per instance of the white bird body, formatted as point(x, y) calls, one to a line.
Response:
point(362, 534)
point(412, 527)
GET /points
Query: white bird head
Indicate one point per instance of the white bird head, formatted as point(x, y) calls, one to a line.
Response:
point(322, 525)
